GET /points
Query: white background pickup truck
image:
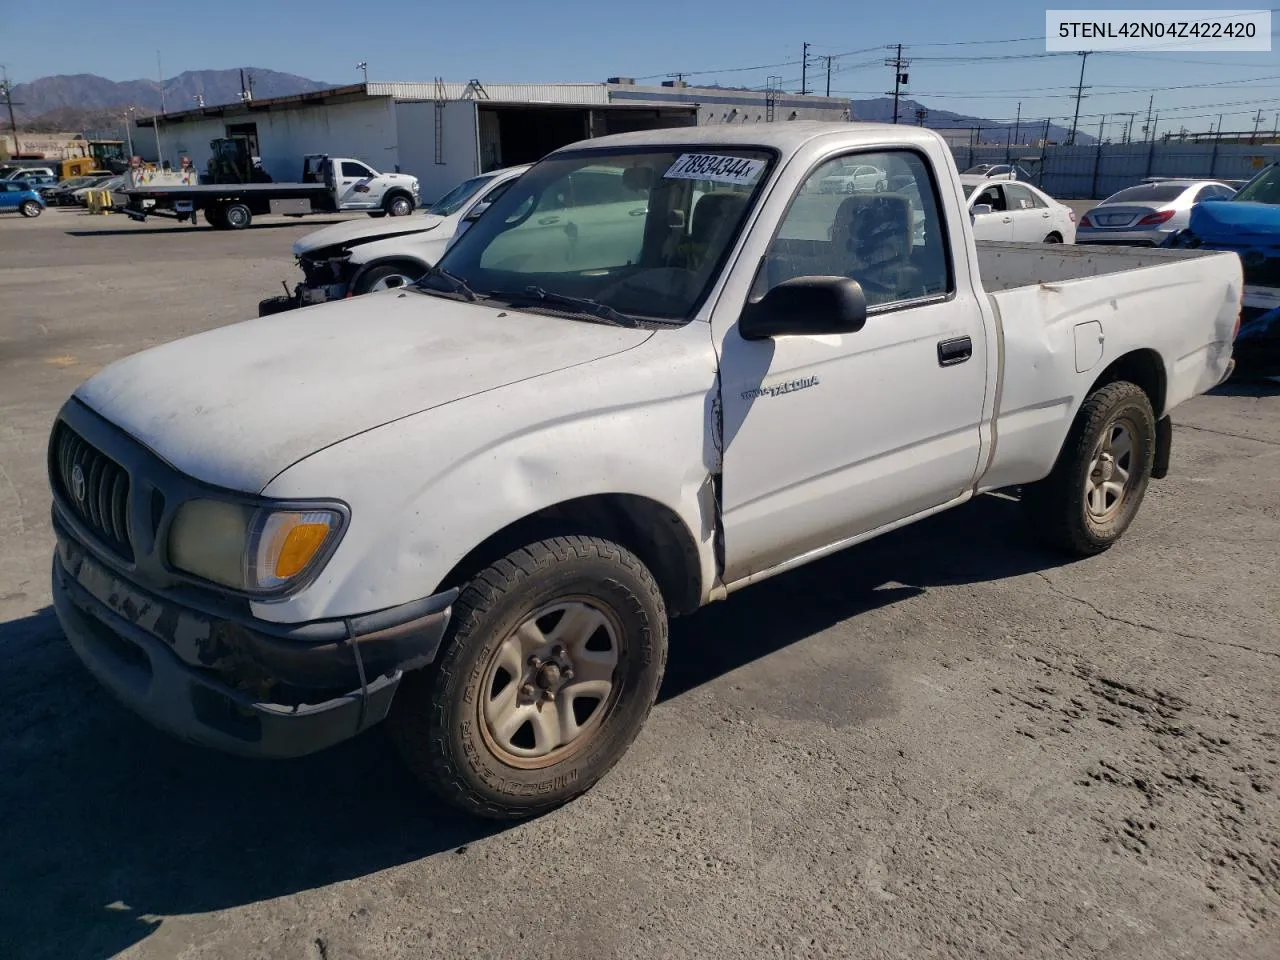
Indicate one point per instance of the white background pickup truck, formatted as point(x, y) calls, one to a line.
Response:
point(469, 506)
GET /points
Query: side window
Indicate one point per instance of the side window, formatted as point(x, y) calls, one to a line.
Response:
point(1019, 197)
point(350, 169)
point(893, 242)
point(993, 196)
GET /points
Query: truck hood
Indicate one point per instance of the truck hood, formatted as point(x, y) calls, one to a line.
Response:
point(362, 231)
point(234, 407)
point(1236, 224)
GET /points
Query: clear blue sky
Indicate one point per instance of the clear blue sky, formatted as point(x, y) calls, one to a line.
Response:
point(573, 40)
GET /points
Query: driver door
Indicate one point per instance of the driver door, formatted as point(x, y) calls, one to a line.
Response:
point(996, 225)
point(353, 190)
point(826, 438)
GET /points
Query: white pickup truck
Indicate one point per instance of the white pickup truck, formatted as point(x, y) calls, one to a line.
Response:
point(469, 506)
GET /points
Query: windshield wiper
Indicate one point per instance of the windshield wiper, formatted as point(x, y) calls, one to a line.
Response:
point(593, 308)
point(459, 285)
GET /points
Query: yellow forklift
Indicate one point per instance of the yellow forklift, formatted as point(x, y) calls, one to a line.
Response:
point(101, 156)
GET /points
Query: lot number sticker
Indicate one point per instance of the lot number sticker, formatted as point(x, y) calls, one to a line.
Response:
point(710, 166)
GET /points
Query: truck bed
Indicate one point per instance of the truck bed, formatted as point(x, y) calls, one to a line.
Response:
point(1005, 266)
point(1066, 313)
point(280, 190)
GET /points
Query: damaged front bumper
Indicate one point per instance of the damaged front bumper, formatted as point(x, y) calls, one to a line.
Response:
point(243, 685)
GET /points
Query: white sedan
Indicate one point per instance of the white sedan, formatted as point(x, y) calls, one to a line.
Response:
point(856, 179)
point(1012, 211)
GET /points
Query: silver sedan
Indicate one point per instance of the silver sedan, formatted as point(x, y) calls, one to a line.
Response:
point(1145, 215)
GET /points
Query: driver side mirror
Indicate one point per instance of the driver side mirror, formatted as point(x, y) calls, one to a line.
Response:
point(474, 213)
point(806, 306)
point(982, 209)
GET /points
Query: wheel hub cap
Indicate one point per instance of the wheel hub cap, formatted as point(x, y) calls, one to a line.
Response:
point(550, 683)
point(1110, 468)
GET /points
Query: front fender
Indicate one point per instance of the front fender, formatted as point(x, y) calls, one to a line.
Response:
point(426, 490)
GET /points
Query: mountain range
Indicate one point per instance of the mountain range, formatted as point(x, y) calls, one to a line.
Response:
point(84, 101)
point(880, 110)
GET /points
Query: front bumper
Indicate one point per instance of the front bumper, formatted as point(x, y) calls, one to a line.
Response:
point(246, 687)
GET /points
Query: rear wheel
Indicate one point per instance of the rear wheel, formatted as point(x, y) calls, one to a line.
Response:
point(1088, 501)
point(213, 217)
point(1053, 238)
point(30, 208)
point(552, 662)
point(237, 216)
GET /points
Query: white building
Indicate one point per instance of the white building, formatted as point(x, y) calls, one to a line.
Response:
point(443, 133)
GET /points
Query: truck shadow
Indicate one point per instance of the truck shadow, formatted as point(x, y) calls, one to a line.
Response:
point(110, 825)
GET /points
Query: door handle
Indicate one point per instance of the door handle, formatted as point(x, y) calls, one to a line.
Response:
point(547, 221)
point(1007, 220)
point(953, 351)
point(1045, 214)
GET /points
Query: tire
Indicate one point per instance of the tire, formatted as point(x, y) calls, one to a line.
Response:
point(446, 720)
point(213, 217)
point(1071, 508)
point(1053, 238)
point(236, 216)
point(386, 278)
point(881, 186)
point(30, 209)
point(398, 205)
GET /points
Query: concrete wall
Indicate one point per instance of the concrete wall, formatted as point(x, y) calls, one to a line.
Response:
point(365, 130)
point(1098, 171)
point(416, 123)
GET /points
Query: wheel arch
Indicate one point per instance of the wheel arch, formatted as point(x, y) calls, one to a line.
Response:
point(1143, 367)
point(394, 192)
point(652, 531)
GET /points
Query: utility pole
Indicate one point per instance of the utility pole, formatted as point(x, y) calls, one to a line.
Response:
point(128, 128)
point(1084, 56)
point(8, 98)
point(160, 76)
point(1102, 125)
point(1146, 127)
point(899, 77)
point(1257, 122)
point(828, 59)
point(804, 72)
point(921, 113)
point(772, 91)
point(1017, 125)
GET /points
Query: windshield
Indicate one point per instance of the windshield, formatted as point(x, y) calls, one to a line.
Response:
point(455, 198)
point(640, 232)
point(1149, 193)
point(1264, 188)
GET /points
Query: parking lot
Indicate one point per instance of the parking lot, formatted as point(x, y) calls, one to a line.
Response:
point(945, 742)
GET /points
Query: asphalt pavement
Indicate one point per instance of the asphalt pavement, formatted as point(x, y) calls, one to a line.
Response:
point(943, 743)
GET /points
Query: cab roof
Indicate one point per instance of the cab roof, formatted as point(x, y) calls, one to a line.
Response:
point(786, 136)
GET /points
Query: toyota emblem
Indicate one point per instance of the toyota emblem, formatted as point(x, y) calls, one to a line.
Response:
point(77, 483)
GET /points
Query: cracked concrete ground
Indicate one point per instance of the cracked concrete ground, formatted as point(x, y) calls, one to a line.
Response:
point(945, 743)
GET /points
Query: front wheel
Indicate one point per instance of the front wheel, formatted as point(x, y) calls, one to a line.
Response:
point(1088, 501)
point(1053, 238)
point(387, 278)
point(399, 206)
point(552, 662)
point(30, 208)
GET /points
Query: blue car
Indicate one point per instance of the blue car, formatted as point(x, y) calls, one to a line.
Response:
point(20, 196)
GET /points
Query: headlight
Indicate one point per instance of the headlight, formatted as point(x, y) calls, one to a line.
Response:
point(252, 549)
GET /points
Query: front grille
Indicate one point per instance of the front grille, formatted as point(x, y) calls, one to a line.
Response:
point(94, 486)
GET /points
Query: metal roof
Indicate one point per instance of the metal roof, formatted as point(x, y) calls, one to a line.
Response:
point(584, 93)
